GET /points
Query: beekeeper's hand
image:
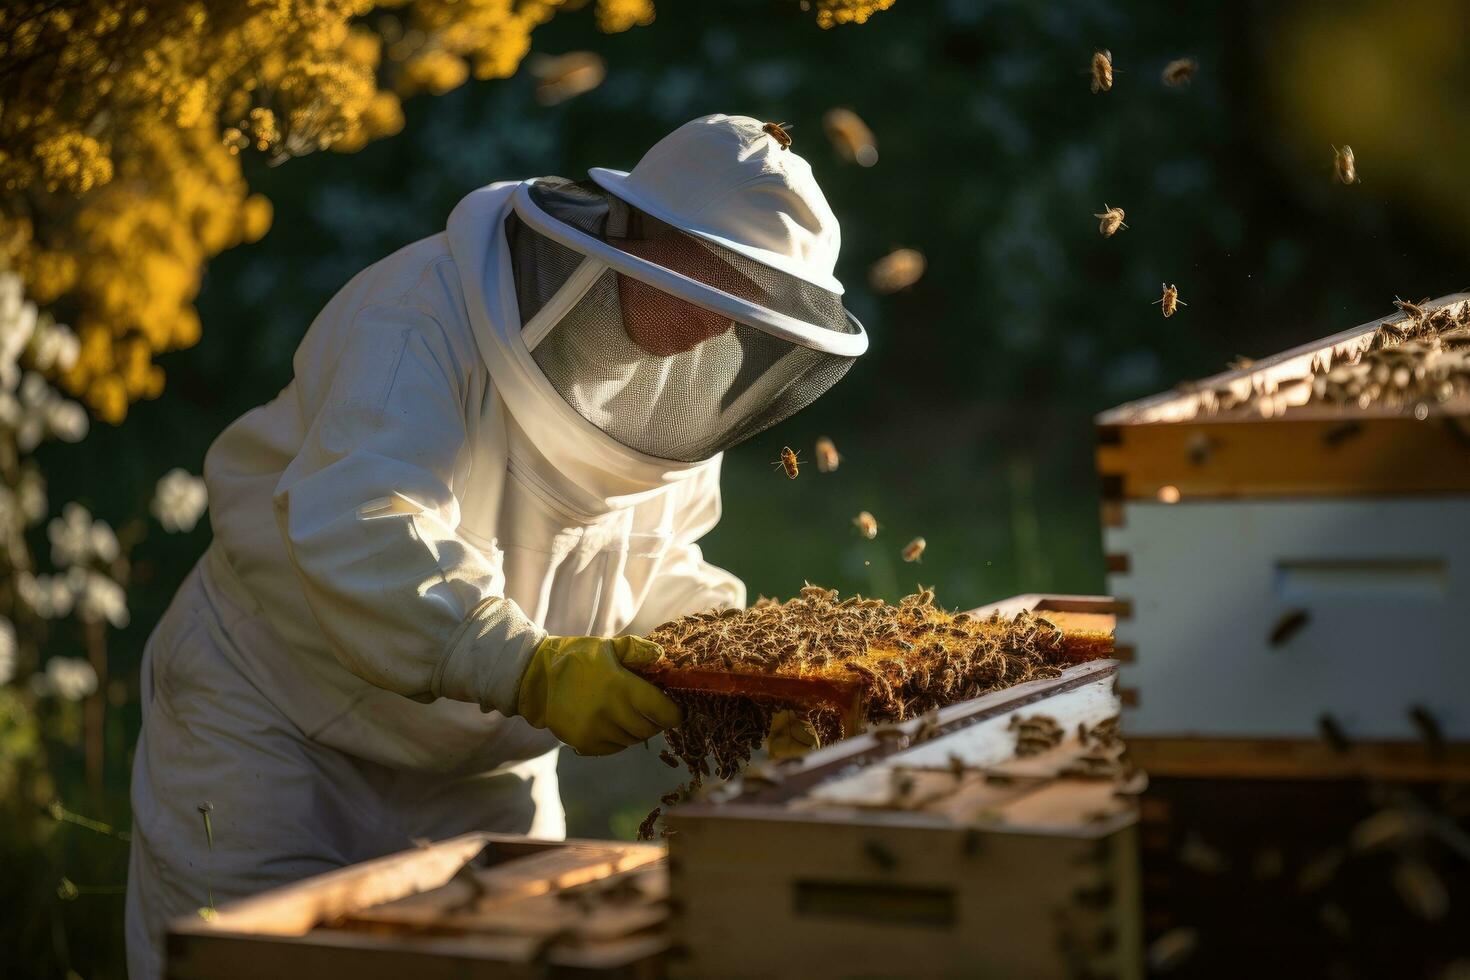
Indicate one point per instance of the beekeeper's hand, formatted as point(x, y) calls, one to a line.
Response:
point(581, 689)
point(790, 736)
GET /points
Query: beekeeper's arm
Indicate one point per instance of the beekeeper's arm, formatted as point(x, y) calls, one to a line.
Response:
point(408, 602)
point(685, 582)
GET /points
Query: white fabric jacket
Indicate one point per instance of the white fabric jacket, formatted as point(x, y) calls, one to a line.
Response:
point(418, 508)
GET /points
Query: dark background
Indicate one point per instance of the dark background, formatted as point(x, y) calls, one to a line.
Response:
point(968, 422)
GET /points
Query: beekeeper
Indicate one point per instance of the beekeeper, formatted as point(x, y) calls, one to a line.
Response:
point(436, 550)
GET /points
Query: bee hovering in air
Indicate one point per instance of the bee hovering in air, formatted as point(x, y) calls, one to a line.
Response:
point(1102, 71)
point(777, 132)
point(827, 457)
point(1110, 221)
point(1180, 71)
point(1344, 166)
point(867, 525)
point(913, 550)
point(1170, 301)
point(788, 462)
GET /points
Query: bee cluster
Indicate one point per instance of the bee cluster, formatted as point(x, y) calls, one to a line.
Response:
point(907, 658)
point(1408, 364)
point(1424, 358)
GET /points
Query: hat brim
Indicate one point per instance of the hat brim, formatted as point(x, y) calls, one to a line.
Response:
point(770, 321)
point(616, 182)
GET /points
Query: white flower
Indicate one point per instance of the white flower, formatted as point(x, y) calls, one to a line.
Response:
point(179, 500)
point(76, 539)
point(40, 411)
point(17, 323)
point(69, 678)
point(49, 596)
point(66, 420)
point(7, 651)
point(98, 597)
point(54, 348)
point(30, 493)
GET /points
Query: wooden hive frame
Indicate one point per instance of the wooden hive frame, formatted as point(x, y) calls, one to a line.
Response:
point(1086, 623)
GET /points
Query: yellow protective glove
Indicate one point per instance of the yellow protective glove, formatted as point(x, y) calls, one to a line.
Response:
point(580, 688)
point(790, 736)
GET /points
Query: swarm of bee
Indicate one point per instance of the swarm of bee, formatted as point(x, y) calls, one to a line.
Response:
point(907, 658)
point(1408, 364)
point(1411, 362)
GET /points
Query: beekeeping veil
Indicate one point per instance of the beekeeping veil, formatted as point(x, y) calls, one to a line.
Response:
point(688, 305)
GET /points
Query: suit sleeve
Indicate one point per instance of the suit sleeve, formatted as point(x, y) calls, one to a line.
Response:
point(371, 523)
point(686, 583)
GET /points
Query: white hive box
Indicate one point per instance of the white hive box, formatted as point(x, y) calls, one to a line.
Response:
point(1293, 571)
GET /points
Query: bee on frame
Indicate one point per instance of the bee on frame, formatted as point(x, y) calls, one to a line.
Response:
point(777, 132)
point(788, 462)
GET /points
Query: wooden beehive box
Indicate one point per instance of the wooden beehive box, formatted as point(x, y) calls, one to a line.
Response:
point(926, 849)
point(479, 905)
point(1293, 573)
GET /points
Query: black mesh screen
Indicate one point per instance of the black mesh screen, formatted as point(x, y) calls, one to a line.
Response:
point(657, 372)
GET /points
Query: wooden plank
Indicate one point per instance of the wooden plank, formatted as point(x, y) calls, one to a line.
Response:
point(484, 899)
point(1260, 758)
point(1290, 457)
point(295, 909)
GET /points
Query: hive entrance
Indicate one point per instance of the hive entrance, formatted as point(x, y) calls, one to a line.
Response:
point(837, 661)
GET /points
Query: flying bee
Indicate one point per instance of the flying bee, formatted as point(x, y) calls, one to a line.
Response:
point(1110, 221)
point(867, 525)
point(1180, 71)
point(914, 549)
point(851, 137)
point(1344, 166)
point(1170, 301)
point(1102, 71)
point(777, 132)
point(788, 462)
point(827, 456)
point(899, 269)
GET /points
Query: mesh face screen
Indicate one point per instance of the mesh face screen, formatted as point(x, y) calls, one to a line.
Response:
point(655, 371)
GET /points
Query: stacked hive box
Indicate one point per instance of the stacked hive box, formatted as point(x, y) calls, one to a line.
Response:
point(1289, 544)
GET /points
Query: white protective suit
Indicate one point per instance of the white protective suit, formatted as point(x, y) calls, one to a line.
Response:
point(398, 530)
point(282, 686)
